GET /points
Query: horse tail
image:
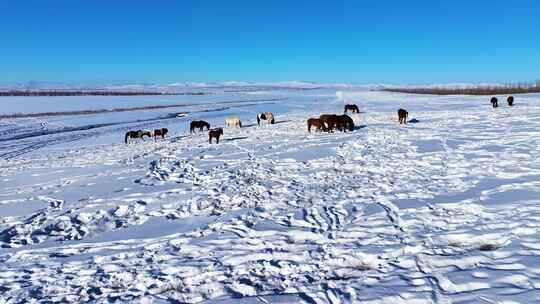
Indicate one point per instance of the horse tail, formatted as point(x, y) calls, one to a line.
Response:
point(239, 123)
point(126, 137)
point(258, 120)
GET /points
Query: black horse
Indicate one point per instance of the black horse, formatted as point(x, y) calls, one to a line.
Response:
point(494, 102)
point(198, 124)
point(402, 116)
point(351, 107)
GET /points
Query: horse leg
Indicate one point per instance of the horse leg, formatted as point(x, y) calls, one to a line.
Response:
point(217, 140)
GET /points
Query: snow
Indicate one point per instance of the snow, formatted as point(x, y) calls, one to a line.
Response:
point(445, 210)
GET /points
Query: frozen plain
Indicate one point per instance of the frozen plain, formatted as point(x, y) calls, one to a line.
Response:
point(446, 210)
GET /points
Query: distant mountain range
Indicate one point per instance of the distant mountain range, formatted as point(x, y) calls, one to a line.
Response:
point(179, 87)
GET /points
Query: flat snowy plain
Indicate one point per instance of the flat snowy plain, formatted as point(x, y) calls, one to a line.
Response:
point(446, 210)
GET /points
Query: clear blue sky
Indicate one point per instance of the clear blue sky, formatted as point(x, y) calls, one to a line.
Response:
point(330, 41)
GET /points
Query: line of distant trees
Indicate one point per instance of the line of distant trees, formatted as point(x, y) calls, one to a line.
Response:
point(516, 88)
point(88, 93)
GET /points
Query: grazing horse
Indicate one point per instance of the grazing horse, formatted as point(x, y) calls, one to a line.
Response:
point(268, 116)
point(328, 121)
point(510, 100)
point(402, 116)
point(233, 121)
point(315, 122)
point(198, 124)
point(494, 102)
point(160, 132)
point(341, 122)
point(347, 122)
point(137, 134)
point(352, 107)
point(215, 133)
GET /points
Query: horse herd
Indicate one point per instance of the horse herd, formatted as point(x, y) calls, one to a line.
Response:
point(495, 101)
point(200, 125)
point(325, 123)
point(141, 133)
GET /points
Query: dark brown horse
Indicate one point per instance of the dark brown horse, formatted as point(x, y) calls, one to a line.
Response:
point(315, 122)
point(215, 133)
point(352, 107)
point(198, 124)
point(342, 122)
point(510, 100)
point(328, 122)
point(402, 116)
point(137, 134)
point(494, 102)
point(347, 122)
point(339, 122)
point(160, 132)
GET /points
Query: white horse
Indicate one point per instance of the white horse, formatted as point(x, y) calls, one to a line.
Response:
point(233, 121)
point(268, 116)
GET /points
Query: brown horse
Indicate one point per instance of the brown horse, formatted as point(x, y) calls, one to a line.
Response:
point(327, 121)
point(160, 132)
point(510, 100)
point(137, 134)
point(494, 102)
point(315, 122)
point(352, 107)
point(215, 133)
point(402, 116)
point(198, 124)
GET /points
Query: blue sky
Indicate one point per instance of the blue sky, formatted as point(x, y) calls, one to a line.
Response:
point(329, 41)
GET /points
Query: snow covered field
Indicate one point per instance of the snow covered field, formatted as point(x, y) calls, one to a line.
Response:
point(446, 210)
